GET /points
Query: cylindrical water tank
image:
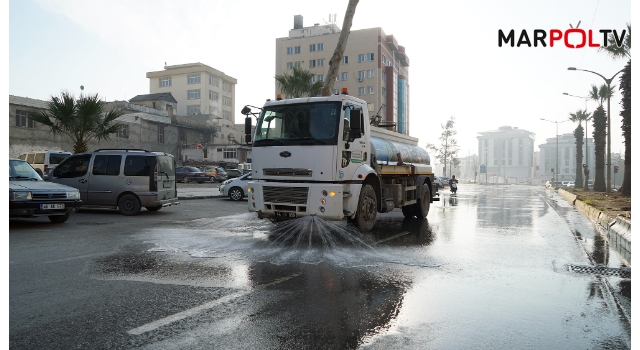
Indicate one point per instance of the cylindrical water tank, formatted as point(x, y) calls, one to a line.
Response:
point(386, 151)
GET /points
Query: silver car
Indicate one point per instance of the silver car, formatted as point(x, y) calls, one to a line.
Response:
point(235, 188)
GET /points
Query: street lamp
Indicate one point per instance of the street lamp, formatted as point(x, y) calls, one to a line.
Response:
point(557, 153)
point(586, 128)
point(608, 81)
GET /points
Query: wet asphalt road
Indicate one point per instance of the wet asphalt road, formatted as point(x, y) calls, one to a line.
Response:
point(487, 270)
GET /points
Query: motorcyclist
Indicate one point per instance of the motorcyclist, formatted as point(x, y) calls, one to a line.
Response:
point(453, 181)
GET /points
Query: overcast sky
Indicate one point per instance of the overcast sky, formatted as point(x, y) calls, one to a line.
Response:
point(457, 68)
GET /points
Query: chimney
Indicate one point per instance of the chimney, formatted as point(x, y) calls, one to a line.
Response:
point(297, 22)
point(170, 111)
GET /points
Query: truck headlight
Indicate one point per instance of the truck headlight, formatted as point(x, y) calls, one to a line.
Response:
point(19, 195)
point(73, 195)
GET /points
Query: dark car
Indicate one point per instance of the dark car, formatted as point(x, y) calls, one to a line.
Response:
point(445, 180)
point(438, 180)
point(233, 173)
point(190, 173)
point(30, 196)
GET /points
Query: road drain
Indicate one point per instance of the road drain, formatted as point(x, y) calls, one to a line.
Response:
point(601, 270)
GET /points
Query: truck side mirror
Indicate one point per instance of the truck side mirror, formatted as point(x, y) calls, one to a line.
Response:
point(355, 122)
point(247, 129)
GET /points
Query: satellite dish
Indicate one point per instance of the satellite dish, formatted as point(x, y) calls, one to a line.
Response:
point(81, 87)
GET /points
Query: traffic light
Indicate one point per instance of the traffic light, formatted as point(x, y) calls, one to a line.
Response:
point(615, 169)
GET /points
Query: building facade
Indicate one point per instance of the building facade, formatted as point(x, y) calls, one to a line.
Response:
point(374, 67)
point(198, 90)
point(507, 154)
point(566, 156)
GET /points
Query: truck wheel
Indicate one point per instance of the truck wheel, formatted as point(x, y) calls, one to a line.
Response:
point(367, 209)
point(421, 208)
point(407, 210)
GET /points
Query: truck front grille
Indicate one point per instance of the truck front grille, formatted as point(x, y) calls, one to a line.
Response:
point(291, 195)
point(287, 172)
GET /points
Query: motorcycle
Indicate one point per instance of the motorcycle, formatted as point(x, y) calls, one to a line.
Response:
point(454, 187)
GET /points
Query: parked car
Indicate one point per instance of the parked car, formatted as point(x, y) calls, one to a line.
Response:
point(30, 196)
point(43, 162)
point(126, 180)
point(565, 183)
point(571, 184)
point(214, 173)
point(438, 180)
point(233, 173)
point(235, 188)
point(187, 174)
point(445, 180)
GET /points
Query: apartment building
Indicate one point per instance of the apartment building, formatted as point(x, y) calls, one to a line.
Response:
point(564, 148)
point(198, 90)
point(374, 67)
point(507, 153)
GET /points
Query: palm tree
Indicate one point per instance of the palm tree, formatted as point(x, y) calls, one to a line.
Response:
point(298, 84)
point(579, 116)
point(334, 63)
point(616, 52)
point(600, 133)
point(83, 120)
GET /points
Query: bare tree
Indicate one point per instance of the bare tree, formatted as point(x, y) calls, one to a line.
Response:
point(449, 148)
point(334, 63)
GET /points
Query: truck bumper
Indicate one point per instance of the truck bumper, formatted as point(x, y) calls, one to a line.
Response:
point(282, 201)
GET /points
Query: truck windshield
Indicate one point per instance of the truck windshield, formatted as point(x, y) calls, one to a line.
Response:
point(298, 124)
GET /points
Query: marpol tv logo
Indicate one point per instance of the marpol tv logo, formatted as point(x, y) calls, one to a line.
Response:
point(573, 38)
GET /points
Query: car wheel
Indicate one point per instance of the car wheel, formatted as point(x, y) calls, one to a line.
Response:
point(185, 180)
point(154, 208)
point(129, 205)
point(58, 219)
point(212, 179)
point(236, 194)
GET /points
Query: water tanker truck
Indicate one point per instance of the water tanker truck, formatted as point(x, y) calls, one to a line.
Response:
point(324, 156)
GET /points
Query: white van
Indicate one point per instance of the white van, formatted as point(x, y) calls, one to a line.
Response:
point(123, 179)
point(44, 161)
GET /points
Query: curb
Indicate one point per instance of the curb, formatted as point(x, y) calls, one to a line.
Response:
point(196, 197)
point(617, 230)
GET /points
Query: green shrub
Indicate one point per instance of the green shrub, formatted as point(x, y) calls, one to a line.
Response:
point(589, 202)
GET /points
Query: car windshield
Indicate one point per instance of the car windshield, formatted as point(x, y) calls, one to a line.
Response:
point(21, 170)
point(298, 124)
point(220, 170)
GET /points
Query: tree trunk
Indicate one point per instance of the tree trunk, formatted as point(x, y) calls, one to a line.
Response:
point(600, 140)
point(625, 87)
point(579, 134)
point(334, 63)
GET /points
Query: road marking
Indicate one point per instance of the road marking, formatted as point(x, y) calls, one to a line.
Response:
point(190, 312)
point(392, 237)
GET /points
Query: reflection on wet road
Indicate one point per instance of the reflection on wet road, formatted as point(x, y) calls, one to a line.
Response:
point(486, 270)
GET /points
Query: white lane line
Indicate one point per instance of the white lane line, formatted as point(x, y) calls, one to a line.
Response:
point(392, 237)
point(190, 312)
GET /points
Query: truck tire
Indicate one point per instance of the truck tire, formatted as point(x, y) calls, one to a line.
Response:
point(407, 210)
point(367, 209)
point(421, 208)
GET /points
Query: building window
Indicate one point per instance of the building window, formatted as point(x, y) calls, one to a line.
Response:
point(289, 50)
point(320, 77)
point(361, 90)
point(213, 81)
point(384, 92)
point(160, 134)
point(193, 79)
point(320, 62)
point(193, 94)
point(361, 57)
point(226, 86)
point(370, 73)
point(296, 49)
point(320, 47)
point(226, 101)
point(123, 132)
point(213, 110)
point(165, 82)
point(23, 120)
point(193, 109)
point(313, 79)
point(345, 59)
point(370, 106)
point(229, 153)
point(213, 95)
point(384, 59)
point(312, 63)
point(384, 108)
point(384, 76)
point(226, 115)
point(312, 47)
point(345, 75)
point(289, 65)
point(369, 57)
point(370, 88)
point(360, 75)
point(297, 64)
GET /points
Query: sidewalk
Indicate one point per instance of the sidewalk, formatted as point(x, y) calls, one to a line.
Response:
point(198, 193)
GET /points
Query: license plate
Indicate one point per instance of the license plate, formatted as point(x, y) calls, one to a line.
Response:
point(52, 206)
point(285, 214)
